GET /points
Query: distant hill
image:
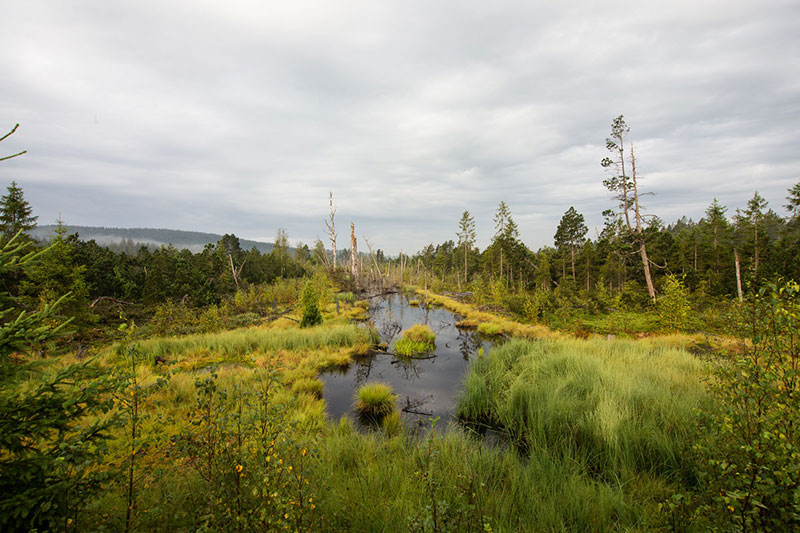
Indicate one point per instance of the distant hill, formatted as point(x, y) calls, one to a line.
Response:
point(191, 240)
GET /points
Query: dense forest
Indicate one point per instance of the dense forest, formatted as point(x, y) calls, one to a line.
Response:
point(643, 378)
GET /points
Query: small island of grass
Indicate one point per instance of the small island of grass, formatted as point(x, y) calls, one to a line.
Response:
point(416, 340)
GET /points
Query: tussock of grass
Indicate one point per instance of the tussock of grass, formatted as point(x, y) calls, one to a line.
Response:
point(615, 410)
point(416, 340)
point(308, 386)
point(375, 400)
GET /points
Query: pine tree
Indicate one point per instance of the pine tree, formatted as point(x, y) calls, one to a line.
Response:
point(570, 233)
point(15, 213)
point(627, 192)
point(506, 231)
point(466, 236)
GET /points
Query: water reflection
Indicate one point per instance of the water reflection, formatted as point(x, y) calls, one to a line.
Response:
point(426, 388)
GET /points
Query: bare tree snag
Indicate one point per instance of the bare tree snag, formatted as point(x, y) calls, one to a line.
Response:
point(738, 275)
point(651, 290)
point(236, 272)
point(374, 260)
point(332, 227)
point(353, 253)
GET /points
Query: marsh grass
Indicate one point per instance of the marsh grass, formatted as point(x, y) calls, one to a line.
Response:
point(371, 483)
point(239, 344)
point(489, 323)
point(375, 400)
point(417, 340)
point(615, 410)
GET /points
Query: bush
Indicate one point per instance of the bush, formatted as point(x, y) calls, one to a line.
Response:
point(673, 306)
point(750, 473)
point(309, 301)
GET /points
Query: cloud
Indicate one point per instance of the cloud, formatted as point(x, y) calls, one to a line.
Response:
point(241, 116)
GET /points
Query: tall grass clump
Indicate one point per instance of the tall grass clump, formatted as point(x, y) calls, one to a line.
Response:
point(375, 400)
point(619, 412)
point(236, 344)
point(418, 339)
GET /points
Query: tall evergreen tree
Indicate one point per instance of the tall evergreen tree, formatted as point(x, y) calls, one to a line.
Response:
point(506, 231)
point(15, 213)
point(570, 233)
point(466, 236)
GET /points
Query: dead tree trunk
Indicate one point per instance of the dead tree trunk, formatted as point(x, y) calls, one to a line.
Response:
point(354, 271)
point(651, 290)
point(332, 228)
point(738, 275)
point(374, 262)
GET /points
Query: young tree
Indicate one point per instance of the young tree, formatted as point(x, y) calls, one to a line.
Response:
point(627, 191)
point(280, 249)
point(15, 213)
point(570, 233)
point(506, 231)
point(466, 236)
point(49, 454)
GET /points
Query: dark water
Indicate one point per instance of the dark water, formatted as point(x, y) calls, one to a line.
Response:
point(426, 388)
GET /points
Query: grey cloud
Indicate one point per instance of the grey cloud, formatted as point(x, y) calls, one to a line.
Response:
point(241, 116)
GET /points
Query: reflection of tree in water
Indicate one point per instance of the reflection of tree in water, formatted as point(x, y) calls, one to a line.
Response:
point(408, 368)
point(362, 371)
point(468, 343)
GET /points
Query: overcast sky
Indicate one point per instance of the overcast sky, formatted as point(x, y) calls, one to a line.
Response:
point(240, 116)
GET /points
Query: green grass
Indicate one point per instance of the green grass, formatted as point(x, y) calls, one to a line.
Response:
point(618, 412)
point(239, 343)
point(375, 483)
point(416, 340)
point(375, 400)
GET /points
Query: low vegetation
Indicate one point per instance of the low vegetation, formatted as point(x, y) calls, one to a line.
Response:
point(417, 340)
point(375, 400)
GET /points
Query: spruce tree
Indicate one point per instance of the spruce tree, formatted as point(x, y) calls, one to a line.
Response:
point(15, 213)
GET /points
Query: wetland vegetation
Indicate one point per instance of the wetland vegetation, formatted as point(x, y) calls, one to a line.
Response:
point(504, 390)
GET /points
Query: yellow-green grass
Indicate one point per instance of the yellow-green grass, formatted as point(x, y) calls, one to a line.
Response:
point(375, 400)
point(417, 340)
point(240, 343)
point(489, 323)
point(619, 411)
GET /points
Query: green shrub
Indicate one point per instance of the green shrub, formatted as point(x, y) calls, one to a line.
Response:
point(750, 474)
point(673, 305)
point(309, 300)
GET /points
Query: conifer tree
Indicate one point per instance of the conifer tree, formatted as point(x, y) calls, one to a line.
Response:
point(466, 236)
point(15, 213)
point(570, 233)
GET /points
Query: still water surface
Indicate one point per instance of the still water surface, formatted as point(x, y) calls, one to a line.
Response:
point(426, 388)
